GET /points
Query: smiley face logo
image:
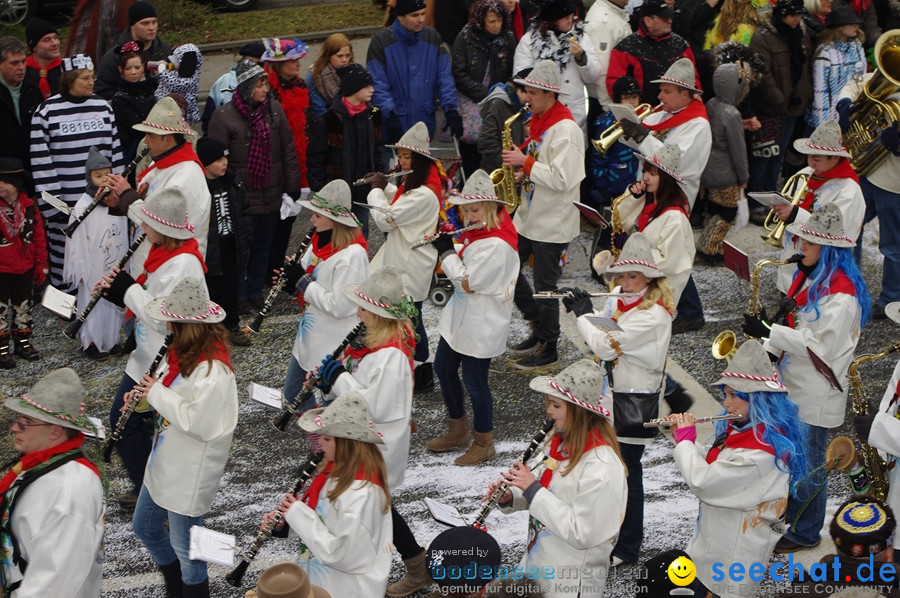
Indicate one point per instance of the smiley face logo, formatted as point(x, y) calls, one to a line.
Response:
point(682, 571)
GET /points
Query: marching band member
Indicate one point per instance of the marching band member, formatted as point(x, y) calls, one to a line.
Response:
point(412, 213)
point(743, 480)
point(818, 342)
point(831, 181)
point(342, 519)
point(475, 323)
point(553, 167)
point(197, 410)
point(575, 498)
point(173, 255)
point(635, 359)
point(337, 256)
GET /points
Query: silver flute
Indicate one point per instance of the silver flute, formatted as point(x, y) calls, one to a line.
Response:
point(564, 294)
point(453, 233)
point(368, 179)
point(661, 422)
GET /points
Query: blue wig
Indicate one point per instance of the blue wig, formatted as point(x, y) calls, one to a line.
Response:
point(783, 431)
point(831, 260)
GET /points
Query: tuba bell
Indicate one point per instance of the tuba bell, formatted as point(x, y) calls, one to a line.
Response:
point(504, 178)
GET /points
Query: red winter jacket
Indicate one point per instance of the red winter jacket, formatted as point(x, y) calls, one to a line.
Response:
point(23, 252)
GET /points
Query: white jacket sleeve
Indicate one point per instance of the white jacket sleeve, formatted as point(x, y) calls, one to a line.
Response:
point(733, 481)
point(885, 433)
point(333, 300)
point(199, 415)
point(566, 168)
point(638, 339)
point(381, 387)
point(481, 272)
point(591, 71)
point(378, 198)
point(823, 340)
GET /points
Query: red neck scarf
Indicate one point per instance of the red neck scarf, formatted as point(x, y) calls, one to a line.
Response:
point(432, 181)
point(159, 255)
point(505, 232)
point(541, 122)
point(842, 170)
point(323, 253)
point(839, 283)
point(42, 72)
point(182, 153)
point(354, 110)
point(311, 496)
point(649, 214)
point(740, 440)
point(358, 353)
point(31, 460)
point(695, 109)
point(621, 308)
point(218, 353)
point(594, 440)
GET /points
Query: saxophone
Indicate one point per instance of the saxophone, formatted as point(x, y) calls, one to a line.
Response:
point(871, 460)
point(504, 178)
point(615, 223)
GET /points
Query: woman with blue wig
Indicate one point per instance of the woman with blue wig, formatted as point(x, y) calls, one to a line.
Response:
point(816, 345)
point(744, 479)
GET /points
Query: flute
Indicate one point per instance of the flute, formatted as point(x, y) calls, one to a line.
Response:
point(492, 502)
point(131, 406)
point(237, 575)
point(70, 229)
point(256, 324)
point(368, 179)
point(564, 294)
point(660, 422)
point(72, 328)
point(309, 386)
point(458, 231)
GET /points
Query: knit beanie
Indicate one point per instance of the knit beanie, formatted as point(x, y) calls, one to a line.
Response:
point(247, 73)
point(139, 11)
point(254, 49)
point(863, 526)
point(210, 149)
point(553, 10)
point(37, 29)
point(96, 160)
point(404, 7)
point(784, 8)
point(354, 77)
point(625, 85)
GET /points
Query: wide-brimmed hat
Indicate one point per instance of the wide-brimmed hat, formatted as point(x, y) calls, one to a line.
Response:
point(188, 302)
point(842, 15)
point(12, 170)
point(863, 526)
point(346, 417)
point(287, 580)
point(416, 139)
point(580, 384)
point(544, 76)
point(892, 311)
point(750, 370)
point(636, 256)
point(824, 227)
point(667, 158)
point(382, 294)
point(553, 10)
point(333, 201)
point(76, 62)
point(478, 187)
point(826, 140)
point(165, 118)
point(680, 73)
point(281, 50)
point(55, 399)
point(165, 212)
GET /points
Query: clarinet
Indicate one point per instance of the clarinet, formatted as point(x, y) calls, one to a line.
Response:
point(237, 575)
point(72, 328)
point(70, 229)
point(129, 409)
point(503, 487)
point(306, 390)
point(270, 299)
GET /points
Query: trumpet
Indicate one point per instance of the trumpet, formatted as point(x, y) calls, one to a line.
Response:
point(773, 223)
point(368, 179)
point(564, 294)
point(661, 422)
point(428, 240)
point(612, 133)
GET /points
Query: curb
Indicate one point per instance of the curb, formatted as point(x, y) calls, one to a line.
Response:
point(307, 37)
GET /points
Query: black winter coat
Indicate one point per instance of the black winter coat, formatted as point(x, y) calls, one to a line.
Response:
point(16, 134)
point(472, 58)
point(241, 223)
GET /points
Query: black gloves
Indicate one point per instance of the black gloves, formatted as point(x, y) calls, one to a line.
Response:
point(577, 301)
point(755, 327)
point(378, 180)
point(443, 244)
point(862, 424)
point(844, 108)
point(455, 122)
point(115, 294)
point(618, 240)
point(394, 128)
point(292, 273)
point(635, 131)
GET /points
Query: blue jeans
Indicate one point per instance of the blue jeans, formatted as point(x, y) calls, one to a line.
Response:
point(474, 375)
point(264, 227)
point(293, 382)
point(813, 516)
point(628, 546)
point(689, 305)
point(421, 352)
point(134, 447)
point(547, 271)
point(885, 205)
point(167, 546)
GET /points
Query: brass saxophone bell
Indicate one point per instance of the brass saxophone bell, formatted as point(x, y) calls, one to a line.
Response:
point(725, 345)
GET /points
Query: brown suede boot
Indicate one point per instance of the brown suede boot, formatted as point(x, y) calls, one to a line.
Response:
point(482, 450)
point(416, 577)
point(456, 437)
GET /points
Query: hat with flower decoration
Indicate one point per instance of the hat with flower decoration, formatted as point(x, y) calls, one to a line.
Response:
point(188, 302)
point(280, 50)
point(667, 158)
point(382, 294)
point(333, 201)
point(346, 417)
point(56, 399)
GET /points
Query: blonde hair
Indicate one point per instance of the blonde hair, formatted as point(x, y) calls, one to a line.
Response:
point(331, 46)
point(349, 457)
point(580, 422)
point(342, 235)
point(734, 14)
point(658, 291)
point(491, 214)
point(381, 331)
point(831, 35)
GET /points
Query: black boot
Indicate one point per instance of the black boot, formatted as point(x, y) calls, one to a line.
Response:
point(679, 401)
point(544, 354)
point(423, 378)
point(200, 590)
point(527, 346)
point(172, 576)
point(24, 348)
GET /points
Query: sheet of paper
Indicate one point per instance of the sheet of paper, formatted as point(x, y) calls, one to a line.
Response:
point(770, 198)
point(591, 214)
point(270, 397)
point(212, 547)
point(58, 302)
point(624, 112)
point(604, 323)
point(56, 203)
point(101, 433)
point(444, 513)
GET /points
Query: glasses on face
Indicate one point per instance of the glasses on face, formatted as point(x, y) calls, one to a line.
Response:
point(21, 424)
point(87, 78)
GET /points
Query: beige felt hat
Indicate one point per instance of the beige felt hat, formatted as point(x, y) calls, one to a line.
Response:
point(667, 159)
point(892, 311)
point(346, 417)
point(580, 384)
point(334, 202)
point(826, 140)
point(416, 139)
point(680, 73)
point(478, 187)
point(382, 293)
point(165, 212)
point(544, 76)
point(56, 399)
point(165, 118)
point(750, 370)
point(824, 227)
point(188, 302)
point(287, 580)
point(636, 256)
